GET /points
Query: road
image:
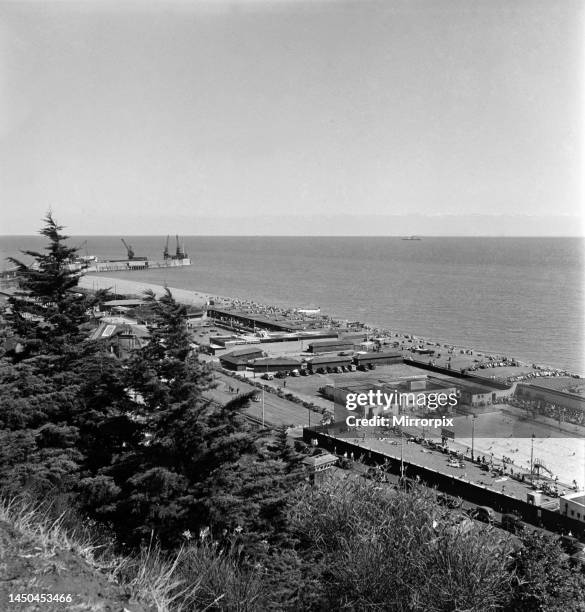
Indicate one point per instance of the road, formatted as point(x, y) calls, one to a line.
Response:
point(277, 410)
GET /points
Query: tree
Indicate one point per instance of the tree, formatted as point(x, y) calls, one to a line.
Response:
point(63, 406)
point(200, 464)
point(47, 313)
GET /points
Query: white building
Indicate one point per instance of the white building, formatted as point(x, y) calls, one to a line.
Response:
point(573, 505)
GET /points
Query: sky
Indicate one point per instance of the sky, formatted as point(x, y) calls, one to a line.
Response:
point(442, 117)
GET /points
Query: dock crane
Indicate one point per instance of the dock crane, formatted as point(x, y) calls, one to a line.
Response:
point(129, 249)
point(180, 250)
point(166, 251)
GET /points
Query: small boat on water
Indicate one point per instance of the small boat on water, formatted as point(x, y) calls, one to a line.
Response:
point(412, 238)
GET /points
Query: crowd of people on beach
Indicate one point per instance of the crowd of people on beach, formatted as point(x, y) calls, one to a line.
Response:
point(552, 411)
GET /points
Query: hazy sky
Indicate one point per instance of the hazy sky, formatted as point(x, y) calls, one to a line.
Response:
point(275, 117)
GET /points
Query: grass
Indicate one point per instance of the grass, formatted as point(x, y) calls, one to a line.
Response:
point(198, 576)
point(150, 577)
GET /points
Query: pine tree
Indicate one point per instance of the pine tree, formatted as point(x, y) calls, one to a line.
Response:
point(47, 313)
point(62, 399)
point(200, 464)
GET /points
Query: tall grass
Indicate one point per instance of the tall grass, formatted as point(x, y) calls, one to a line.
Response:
point(197, 577)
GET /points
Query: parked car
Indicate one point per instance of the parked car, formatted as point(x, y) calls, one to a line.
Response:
point(305, 372)
point(338, 370)
point(371, 366)
point(295, 373)
point(256, 397)
point(280, 374)
point(268, 376)
point(362, 368)
point(352, 368)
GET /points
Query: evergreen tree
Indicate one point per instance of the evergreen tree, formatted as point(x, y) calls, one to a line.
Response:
point(200, 465)
point(46, 313)
point(63, 407)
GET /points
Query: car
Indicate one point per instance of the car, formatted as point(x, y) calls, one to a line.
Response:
point(338, 370)
point(280, 374)
point(295, 373)
point(482, 513)
point(256, 397)
point(512, 523)
point(352, 368)
point(305, 372)
point(371, 366)
point(268, 376)
point(362, 368)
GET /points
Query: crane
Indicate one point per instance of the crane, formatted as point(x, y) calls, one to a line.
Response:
point(180, 250)
point(166, 251)
point(128, 248)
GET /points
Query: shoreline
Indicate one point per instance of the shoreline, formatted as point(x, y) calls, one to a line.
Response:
point(93, 282)
point(200, 298)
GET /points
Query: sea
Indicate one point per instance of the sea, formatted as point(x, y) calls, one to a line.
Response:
point(519, 297)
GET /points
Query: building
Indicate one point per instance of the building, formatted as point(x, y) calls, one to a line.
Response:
point(545, 391)
point(238, 360)
point(239, 319)
point(318, 364)
point(318, 465)
point(377, 358)
point(413, 395)
point(196, 315)
point(275, 364)
point(573, 505)
point(474, 395)
point(121, 306)
point(330, 346)
point(122, 336)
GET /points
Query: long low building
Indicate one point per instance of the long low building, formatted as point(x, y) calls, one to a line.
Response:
point(330, 346)
point(378, 358)
point(275, 364)
point(252, 321)
point(406, 394)
point(545, 392)
point(328, 361)
point(238, 360)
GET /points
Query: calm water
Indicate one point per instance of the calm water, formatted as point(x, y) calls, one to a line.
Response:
point(522, 297)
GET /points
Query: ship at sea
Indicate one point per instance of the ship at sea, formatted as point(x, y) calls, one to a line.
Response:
point(93, 263)
point(412, 238)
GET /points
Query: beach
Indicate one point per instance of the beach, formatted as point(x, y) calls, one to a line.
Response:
point(498, 433)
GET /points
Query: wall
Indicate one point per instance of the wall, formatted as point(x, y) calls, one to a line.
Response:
point(477, 494)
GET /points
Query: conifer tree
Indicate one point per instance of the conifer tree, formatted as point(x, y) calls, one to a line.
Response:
point(61, 398)
point(46, 314)
point(200, 464)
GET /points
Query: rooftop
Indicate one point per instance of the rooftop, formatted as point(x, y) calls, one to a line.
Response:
point(577, 498)
point(330, 359)
point(319, 460)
